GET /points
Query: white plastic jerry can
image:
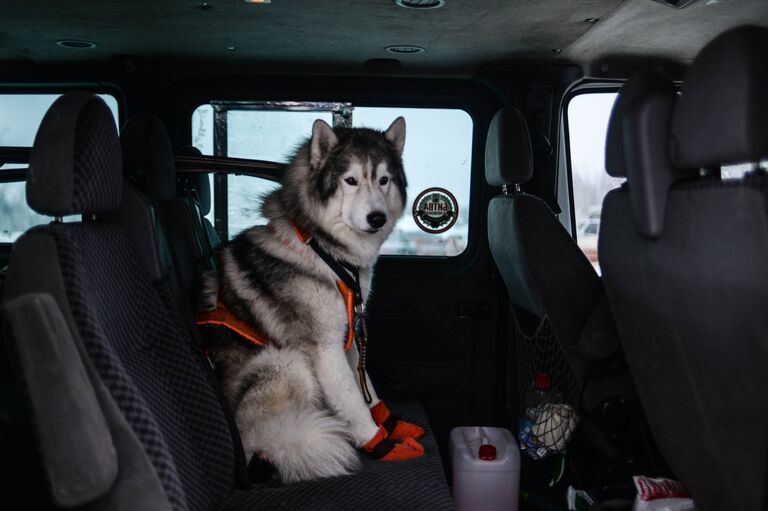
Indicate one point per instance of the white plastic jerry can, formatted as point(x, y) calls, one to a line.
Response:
point(486, 469)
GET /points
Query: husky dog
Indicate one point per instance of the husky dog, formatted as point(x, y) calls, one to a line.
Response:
point(297, 398)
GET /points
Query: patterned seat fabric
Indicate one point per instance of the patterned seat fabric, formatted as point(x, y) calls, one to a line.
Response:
point(415, 484)
point(137, 343)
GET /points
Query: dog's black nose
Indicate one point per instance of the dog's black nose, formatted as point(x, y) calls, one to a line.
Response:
point(377, 219)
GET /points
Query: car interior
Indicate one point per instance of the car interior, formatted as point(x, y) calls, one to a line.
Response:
point(598, 296)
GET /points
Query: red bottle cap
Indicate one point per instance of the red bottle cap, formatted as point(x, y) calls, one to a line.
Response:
point(487, 452)
point(542, 381)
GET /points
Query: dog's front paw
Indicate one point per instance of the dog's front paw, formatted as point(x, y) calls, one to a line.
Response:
point(385, 449)
point(397, 429)
point(404, 429)
point(407, 449)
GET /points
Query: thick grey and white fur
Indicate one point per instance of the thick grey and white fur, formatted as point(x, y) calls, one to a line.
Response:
point(298, 401)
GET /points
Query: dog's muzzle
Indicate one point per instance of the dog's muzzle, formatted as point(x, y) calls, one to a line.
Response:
point(377, 219)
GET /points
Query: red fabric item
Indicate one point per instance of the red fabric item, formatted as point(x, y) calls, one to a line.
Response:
point(407, 449)
point(401, 429)
point(379, 437)
point(385, 449)
point(380, 413)
point(406, 430)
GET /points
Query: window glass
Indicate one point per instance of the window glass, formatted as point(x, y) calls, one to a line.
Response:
point(438, 153)
point(245, 195)
point(271, 135)
point(20, 116)
point(739, 170)
point(588, 116)
point(15, 215)
point(202, 129)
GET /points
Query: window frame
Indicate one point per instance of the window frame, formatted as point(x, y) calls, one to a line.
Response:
point(565, 167)
point(220, 185)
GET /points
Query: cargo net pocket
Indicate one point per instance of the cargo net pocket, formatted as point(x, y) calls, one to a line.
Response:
point(549, 392)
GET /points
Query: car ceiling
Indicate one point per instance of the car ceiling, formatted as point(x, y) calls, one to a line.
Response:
point(300, 36)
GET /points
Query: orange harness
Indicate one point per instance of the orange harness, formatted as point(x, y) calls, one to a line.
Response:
point(222, 316)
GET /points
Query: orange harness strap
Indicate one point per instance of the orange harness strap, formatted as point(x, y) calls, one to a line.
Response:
point(349, 301)
point(222, 316)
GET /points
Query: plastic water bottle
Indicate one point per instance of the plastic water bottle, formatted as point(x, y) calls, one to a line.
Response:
point(539, 394)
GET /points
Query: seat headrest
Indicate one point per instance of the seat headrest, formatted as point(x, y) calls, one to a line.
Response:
point(148, 156)
point(637, 147)
point(508, 152)
point(615, 157)
point(196, 182)
point(75, 165)
point(635, 93)
point(722, 115)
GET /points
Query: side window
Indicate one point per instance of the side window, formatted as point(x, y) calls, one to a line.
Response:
point(588, 116)
point(20, 116)
point(438, 153)
point(270, 135)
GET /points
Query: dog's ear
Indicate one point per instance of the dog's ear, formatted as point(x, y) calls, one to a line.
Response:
point(323, 141)
point(396, 134)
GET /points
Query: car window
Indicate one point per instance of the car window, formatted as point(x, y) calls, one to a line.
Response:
point(437, 160)
point(588, 116)
point(20, 116)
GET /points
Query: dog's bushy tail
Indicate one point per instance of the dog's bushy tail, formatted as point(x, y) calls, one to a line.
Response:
point(303, 444)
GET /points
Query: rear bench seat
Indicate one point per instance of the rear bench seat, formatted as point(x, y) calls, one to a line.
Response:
point(125, 411)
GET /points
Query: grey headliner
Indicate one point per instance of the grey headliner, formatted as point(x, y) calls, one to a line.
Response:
point(340, 35)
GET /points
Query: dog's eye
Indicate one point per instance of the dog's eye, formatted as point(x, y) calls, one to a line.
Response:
point(384, 180)
point(351, 181)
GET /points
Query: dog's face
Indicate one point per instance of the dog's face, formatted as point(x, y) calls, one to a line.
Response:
point(368, 202)
point(358, 177)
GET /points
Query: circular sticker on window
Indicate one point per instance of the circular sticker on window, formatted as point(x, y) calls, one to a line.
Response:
point(435, 210)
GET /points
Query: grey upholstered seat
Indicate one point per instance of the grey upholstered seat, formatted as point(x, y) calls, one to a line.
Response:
point(547, 276)
point(685, 262)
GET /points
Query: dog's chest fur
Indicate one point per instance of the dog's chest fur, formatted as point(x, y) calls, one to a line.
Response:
point(272, 280)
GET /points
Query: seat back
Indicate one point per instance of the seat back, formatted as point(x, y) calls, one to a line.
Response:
point(684, 262)
point(129, 327)
point(197, 187)
point(546, 274)
point(179, 228)
point(147, 208)
point(192, 203)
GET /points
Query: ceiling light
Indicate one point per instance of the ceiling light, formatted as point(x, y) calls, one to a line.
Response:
point(405, 49)
point(420, 4)
point(258, 1)
point(204, 6)
point(76, 44)
point(675, 3)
